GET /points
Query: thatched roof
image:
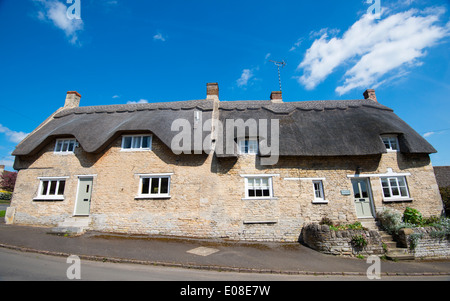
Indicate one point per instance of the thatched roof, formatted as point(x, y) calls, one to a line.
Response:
point(308, 128)
point(442, 175)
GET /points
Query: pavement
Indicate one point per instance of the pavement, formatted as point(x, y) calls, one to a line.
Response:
point(208, 254)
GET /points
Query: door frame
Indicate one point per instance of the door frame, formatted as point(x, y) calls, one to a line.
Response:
point(76, 195)
point(369, 189)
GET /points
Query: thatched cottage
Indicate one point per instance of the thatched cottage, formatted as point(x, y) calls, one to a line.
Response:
point(244, 170)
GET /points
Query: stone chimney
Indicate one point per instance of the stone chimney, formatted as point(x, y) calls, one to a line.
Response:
point(275, 96)
point(72, 99)
point(212, 91)
point(370, 94)
point(2, 168)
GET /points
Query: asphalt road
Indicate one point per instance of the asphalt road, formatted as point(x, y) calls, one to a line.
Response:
point(20, 266)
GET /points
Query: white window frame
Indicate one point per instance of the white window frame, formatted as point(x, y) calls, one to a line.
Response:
point(48, 196)
point(150, 195)
point(259, 177)
point(133, 142)
point(320, 190)
point(391, 143)
point(391, 196)
point(62, 142)
point(252, 146)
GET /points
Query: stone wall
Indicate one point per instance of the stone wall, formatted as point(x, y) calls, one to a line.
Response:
point(423, 243)
point(339, 242)
point(207, 194)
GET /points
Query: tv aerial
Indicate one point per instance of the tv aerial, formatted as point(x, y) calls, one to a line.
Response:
point(279, 64)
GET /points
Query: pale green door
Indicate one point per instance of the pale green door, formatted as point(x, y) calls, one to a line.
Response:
point(83, 203)
point(363, 202)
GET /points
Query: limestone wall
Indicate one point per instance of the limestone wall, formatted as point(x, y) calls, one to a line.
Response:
point(207, 194)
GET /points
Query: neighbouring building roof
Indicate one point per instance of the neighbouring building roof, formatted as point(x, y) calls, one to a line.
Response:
point(442, 175)
point(307, 128)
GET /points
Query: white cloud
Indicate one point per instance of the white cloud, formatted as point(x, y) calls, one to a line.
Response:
point(159, 37)
point(139, 101)
point(296, 44)
point(267, 56)
point(375, 48)
point(13, 136)
point(246, 75)
point(116, 96)
point(428, 134)
point(56, 13)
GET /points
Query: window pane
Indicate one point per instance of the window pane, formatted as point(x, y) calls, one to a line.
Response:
point(251, 192)
point(71, 145)
point(386, 192)
point(52, 190)
point(403, 191)
point(126, 142)
point(145, 185)
point(44, 187)
point(164, 185)
point(62, 184)
point(401, 181)
point(266, 192)
point(58, 146)
point(146, 142)
point(154, 186)
point(384, 182)
point(252, 146)
point(394, 145)
point(393, 182)
point(137, 142)
point(258, 192)
point(395, 191)
point(65, 145)
point(250, 183)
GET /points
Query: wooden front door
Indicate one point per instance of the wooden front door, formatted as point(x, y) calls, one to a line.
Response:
point(83, 202)
point(362, 197)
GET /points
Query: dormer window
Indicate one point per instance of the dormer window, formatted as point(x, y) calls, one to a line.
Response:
point(391, 143)
point(248, 146)
point(137, 142)
point(65, 146)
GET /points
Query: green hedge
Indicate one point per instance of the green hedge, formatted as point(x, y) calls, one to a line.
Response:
point(5, 195)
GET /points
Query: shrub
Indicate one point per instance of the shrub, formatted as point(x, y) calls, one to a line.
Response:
point(445, 194)
point(326, 221)
point(391, 220)
point(5, 195)
point(412, 216)
point(8, 180)
point(359, 241)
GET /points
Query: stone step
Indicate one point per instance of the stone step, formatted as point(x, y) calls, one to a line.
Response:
point(75, 225)
point(369, 223)
point(399, 254)
point(75, 221)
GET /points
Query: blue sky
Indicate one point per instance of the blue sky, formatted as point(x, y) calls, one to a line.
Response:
point(150, 51)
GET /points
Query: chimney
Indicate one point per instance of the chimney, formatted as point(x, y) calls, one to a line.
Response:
point(212, 91)
point(275, 96)
point(72, 99)
point(370, 94)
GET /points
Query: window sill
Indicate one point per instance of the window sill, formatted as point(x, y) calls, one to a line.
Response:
point(260, 222)
point(320, 201)
point(389, 200)
point(260, 198)
point(136, 150)
point(143, 197)
point(49, 198)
